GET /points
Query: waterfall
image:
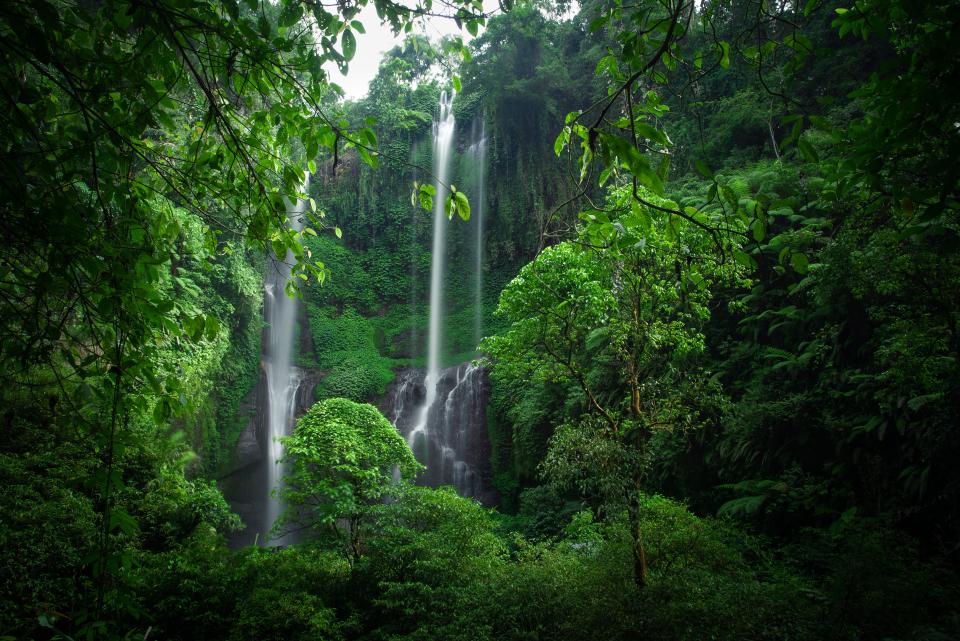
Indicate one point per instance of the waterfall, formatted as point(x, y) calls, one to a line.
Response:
point(453, 442)
point(442, 412)
point(283, 380)
point(442, 145)
point(477, 166)
point(283, 392)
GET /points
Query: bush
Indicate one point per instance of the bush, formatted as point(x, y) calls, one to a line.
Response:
point(206, 592)
point(430, 553)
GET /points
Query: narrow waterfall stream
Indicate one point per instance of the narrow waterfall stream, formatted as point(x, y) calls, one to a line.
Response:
point(443, 130)
point(477, 168)
point(283, 392)
point(283, 380)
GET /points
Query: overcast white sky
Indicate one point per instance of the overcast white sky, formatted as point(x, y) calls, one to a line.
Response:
point(378, 40)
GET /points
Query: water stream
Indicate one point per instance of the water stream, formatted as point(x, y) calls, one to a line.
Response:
point(443, 130)
point(476, 157)
point(283, 392)
point(453, 442)
point(442, 411)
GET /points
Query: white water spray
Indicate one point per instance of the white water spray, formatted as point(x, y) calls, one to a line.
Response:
point(477, 156)
point(282, 379)
point(452, 443)
point(442, 145)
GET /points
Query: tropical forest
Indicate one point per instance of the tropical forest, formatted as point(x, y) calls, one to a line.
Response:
point(480, 320)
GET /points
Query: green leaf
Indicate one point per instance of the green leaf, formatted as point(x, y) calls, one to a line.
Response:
point(724, 52)
point(562, 139)
point(349, 44)
point(426, 201)
point(807, 151)
point(652, 133)
point(634, 160)
point(799, 262)
point(157, 85)
point(338, 232)
point(456, 84)
point(368, 158)
point(463, 205)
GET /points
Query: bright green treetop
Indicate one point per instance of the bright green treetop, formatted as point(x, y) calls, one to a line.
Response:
point(342, 457)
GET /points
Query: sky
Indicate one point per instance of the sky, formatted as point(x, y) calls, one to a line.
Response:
point(378, 40)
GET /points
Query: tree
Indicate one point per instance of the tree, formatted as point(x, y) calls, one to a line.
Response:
point(866, 131)
point(429, 552)
point(619, 316)
point(342, 456)
point(552, 305)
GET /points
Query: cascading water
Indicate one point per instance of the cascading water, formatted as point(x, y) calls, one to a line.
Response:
point(477, 167)
point(282, 393)
point(443, 130)
point(453, 441)
point(442, 412)
point(282, 379)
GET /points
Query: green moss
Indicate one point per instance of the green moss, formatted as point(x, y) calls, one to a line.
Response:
point(360, 377)
point(238, 376)
point(346, 348)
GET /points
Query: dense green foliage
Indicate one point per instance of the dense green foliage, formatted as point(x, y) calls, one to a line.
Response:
point(147, 154)
point(342, 456)
point(721, 305)
point(347, 352)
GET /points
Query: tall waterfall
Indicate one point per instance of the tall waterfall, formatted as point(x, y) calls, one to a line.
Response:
point(442, 412)
point(477, 167)
point(282, 379)
point(283, 392)
point(442, 145)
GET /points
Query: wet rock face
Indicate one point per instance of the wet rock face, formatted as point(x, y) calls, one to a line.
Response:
point(450, 436)
point(248, 449)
